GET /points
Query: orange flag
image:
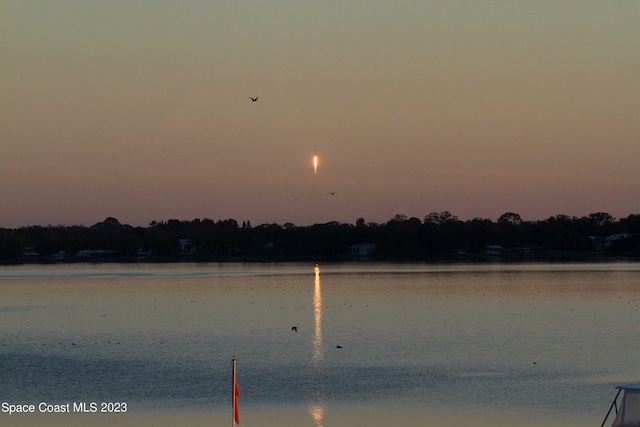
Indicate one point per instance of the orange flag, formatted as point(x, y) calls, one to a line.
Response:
point(235, 390)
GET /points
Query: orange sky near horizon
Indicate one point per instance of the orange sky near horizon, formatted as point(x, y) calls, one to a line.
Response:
point(141, 110)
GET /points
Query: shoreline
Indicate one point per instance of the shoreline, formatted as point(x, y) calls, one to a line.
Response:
point(472, 258)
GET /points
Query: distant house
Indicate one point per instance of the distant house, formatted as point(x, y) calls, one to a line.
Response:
point(269, 246)
point(610, 240)
point(29, 252)
point(614, 241)
point(142, 252)
point(185, 247)
point(605, 243)
point(95, 253)
point(361, 249)
point(60, 256)
point(494, 249)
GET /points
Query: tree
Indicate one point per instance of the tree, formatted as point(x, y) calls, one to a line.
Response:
point(510, 218)
point(440, 218)
point(601, 218)
point(398, 218)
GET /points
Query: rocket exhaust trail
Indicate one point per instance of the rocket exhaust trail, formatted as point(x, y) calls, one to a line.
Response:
point(315, 161)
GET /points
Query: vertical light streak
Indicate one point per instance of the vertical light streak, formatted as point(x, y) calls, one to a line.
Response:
point(315, 162)
point(317, 410)
point(318, 355)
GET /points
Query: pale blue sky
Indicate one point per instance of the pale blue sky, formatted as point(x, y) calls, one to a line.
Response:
point(140, 110)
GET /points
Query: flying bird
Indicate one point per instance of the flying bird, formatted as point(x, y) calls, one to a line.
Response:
point(333, 193)
point(253, 99)
point(294, 328)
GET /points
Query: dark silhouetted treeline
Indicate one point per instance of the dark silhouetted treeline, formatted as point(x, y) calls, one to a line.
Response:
point(437, 235)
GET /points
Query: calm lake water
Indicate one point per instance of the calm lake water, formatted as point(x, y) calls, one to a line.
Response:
point(422, 344)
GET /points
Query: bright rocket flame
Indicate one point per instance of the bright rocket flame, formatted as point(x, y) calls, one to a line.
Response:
point(315, 164)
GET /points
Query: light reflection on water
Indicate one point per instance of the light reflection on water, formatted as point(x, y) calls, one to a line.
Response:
point(318, 355)
point(317, 409)
point(547, 341)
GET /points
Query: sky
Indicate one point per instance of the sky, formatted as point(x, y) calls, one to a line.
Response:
point(140, 110)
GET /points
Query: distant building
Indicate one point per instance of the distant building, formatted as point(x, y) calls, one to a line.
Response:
point(610, 240)
point(60, 256)
point(185, 247)
point(142, 252)
point(614, 241)
point(95, 253)
point(605, 243)
point(29, 252)
point(494, 249)
point(361, 249)
point(269, 246)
